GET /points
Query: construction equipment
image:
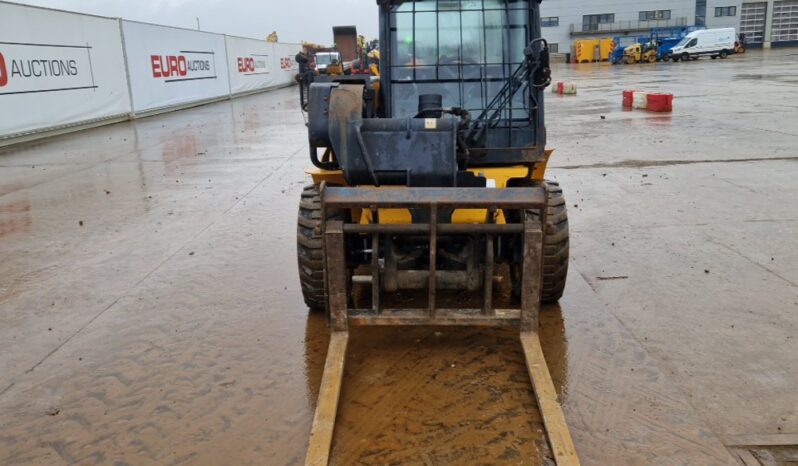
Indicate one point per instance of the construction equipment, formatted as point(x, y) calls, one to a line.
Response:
point(329, 63)
point(739, 44)
point(429, 181)
point(345, 40)
point(621, 42)
point(638, 53)
point(374, 62)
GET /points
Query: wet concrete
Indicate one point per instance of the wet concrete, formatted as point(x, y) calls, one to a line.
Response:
point(150, 311)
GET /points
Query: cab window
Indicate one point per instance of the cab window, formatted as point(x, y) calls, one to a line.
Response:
point(692, 43)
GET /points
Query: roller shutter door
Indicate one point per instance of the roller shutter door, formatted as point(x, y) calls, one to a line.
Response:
point(752, 21)
point(785, 21)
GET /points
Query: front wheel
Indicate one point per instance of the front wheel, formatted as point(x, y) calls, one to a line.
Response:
point(556, 246)
point(724, 54)
point(310, 249)
point(685, 56)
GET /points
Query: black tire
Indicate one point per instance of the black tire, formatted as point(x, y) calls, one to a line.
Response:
point(310, 249)
point(555, 248)
point(685, 56)
point(724, 54)
point(556, 245)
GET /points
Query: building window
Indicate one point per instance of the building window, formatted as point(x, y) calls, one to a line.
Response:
point(655, 15)
point(591, 22)
point(701, 12)
point(550, 21)
point(725, 11)
point(554, 48)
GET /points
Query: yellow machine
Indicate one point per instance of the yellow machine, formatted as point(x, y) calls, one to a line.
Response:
point(335, 68)
point(428, 205)
point(739, 45)
point(374, 62)
point(637, 53)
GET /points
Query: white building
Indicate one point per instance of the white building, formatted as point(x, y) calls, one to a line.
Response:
point(765, 23)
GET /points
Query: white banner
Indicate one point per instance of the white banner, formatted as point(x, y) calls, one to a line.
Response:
point(58, 68)
point(170, 66)
point(257, 64)
point(251, 63)
point(285, 56)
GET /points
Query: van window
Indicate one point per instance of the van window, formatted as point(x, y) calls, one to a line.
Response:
point(692, 43)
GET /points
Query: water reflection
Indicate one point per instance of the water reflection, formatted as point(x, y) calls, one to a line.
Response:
point(15, 215)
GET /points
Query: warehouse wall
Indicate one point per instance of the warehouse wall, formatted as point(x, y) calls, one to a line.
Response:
point(61, 71)
point(723, 21)
point(571, 12)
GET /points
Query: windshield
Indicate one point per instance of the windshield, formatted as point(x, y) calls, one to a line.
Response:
point(324, 59)
point(683, 42)
point(461, 49)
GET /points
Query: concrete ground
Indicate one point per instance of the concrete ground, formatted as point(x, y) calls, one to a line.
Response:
point(150, 311)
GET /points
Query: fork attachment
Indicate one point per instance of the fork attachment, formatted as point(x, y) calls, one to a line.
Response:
point(432, 205)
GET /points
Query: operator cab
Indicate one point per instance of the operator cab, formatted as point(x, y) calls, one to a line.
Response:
point(466, 51)
point(461, 86)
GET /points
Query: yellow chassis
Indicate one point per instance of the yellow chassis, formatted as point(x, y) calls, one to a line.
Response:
point(498, 177)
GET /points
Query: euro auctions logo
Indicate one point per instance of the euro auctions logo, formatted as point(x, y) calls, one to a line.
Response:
point(3, 71)
point(253, 64)
point(27, 68)
point(187, 66)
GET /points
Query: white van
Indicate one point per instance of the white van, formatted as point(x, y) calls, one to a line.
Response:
point(713, 42)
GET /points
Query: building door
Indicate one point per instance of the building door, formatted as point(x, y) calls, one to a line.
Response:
point(752, 22)
point(785, 21)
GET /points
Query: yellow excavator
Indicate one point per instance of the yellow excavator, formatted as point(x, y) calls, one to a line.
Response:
point(429, 204)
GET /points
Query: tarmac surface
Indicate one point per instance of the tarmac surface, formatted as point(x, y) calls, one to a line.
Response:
point(150, 310)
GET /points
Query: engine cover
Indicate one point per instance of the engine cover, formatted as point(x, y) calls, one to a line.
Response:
point(390, 151)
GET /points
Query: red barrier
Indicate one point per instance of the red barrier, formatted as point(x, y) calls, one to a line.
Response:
point(660, 102)
point(628, 98)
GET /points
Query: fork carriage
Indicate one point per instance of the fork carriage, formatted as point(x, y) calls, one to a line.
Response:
point(433, 201)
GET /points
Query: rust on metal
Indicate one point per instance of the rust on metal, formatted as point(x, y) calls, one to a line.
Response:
point(474, 198)
point(336, 276)
point(531, 275)
point(375, 262)
point(562, 445)
point(424, 228)
point(445, 317)
point(321, 434)
point(433, 256)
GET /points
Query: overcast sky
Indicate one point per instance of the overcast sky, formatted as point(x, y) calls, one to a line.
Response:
point(294, 20)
